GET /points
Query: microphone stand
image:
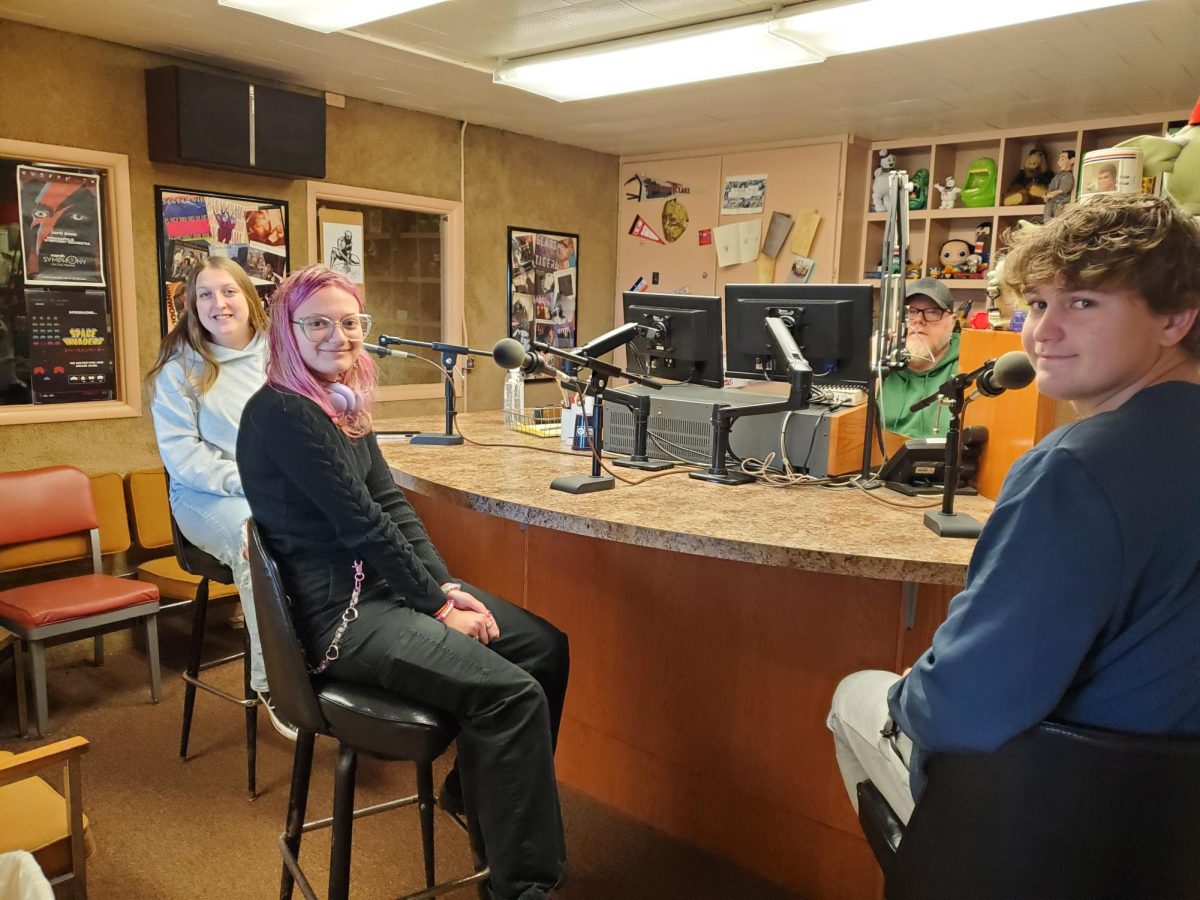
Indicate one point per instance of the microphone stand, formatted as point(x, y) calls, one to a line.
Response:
point(638, 405)
point(946, 522)
point(601, 372)
point(450, 354)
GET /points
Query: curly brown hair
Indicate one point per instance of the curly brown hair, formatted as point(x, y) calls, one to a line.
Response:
point(1133, 242)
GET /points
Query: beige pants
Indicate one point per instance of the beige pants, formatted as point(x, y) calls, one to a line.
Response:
point(858, 715)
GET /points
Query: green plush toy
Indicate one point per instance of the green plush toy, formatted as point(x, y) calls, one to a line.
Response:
point(980, 189)
point(918, 197)
point(1178, 157)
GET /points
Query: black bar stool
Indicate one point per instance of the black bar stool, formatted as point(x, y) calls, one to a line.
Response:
point(207, 568)
point(362, 719)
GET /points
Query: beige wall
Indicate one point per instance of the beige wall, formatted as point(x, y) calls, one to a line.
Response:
point(99, 103)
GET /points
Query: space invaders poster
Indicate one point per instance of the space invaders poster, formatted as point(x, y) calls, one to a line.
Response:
point(70, 346)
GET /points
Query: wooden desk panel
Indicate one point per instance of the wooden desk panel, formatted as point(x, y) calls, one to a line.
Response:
point(709, 627)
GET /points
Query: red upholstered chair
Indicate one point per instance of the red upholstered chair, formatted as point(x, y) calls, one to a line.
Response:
point(44, 512)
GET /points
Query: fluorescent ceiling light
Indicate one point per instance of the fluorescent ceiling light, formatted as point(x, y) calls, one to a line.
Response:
point(850, 27)
point(679, 56)
point(328, 15)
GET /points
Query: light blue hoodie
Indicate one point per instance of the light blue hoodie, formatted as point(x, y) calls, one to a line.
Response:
point(197, 433)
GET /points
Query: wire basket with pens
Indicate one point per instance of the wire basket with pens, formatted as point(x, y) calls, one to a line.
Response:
point(542, 421)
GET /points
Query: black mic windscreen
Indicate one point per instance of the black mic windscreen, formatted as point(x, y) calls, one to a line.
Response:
point(1013, 371)
point(508, 353)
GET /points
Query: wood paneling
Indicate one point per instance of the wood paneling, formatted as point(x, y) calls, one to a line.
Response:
point(480, 549)
point(701, 686)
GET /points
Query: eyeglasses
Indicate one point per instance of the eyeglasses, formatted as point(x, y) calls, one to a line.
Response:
point(320, 328)
point(929, 314)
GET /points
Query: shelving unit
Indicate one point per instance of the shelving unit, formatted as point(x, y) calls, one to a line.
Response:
point(951, 155)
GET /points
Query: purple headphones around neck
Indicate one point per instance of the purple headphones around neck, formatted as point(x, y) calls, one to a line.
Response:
point(343, 399)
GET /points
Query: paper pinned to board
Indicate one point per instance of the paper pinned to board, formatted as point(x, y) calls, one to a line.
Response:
point(804, 231)
point(765, 269)
point(777, 232)
point(737, 242)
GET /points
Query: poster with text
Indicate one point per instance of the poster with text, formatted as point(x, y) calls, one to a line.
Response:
point(196, 225)
point(543, 287)
point(61, 231)
point(70, 346)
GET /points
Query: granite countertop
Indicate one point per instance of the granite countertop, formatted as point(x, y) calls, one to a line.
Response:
point(812, 528)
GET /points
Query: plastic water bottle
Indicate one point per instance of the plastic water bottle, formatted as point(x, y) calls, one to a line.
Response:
point(514, 396)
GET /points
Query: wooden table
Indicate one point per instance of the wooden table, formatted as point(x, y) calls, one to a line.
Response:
point(709, 626)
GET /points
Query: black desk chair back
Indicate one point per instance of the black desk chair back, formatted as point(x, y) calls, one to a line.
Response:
point(360, 718)
point(1057, 812)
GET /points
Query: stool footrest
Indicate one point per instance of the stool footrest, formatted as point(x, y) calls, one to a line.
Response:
point(224, 695)
point(213, 663)
point(317, 824)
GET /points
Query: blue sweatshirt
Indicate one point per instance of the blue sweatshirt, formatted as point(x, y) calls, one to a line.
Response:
point(1083, 595)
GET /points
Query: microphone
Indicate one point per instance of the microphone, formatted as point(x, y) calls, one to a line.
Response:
point(510, 354)
point(1009, 372)
point(387, 351)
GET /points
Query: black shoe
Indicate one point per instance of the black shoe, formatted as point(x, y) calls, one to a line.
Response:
point(282, 725)
point(450, 797)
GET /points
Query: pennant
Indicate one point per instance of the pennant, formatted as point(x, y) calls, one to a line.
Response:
point(641, 229)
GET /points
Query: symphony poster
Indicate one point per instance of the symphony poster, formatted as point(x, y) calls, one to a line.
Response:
point(62, 236)
point(194, 225)
point(543, 287)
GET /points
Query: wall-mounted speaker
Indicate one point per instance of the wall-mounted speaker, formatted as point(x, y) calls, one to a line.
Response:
point(199, 119)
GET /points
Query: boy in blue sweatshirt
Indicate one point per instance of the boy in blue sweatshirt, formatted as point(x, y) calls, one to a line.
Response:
point(1082, 600)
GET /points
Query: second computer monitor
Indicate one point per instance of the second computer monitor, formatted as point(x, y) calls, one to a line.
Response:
point(688, 344)
point(831, 324)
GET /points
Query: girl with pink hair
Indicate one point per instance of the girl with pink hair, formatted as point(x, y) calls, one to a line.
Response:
point(344, 536)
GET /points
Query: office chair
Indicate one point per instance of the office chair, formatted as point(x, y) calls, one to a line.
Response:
point(1059, 811)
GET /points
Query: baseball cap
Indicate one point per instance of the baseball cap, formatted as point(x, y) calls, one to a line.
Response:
point(934, 290)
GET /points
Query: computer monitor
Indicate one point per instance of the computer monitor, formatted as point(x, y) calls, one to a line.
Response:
point(687, 346)
point(831, 324)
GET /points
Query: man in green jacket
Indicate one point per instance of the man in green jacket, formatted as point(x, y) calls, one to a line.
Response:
point(933, 348)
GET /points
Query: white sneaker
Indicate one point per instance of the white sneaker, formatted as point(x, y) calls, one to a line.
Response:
point(280, 724)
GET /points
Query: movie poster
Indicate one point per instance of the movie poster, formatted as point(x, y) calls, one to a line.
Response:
point(70, 349)
point(61, 231)
point(196, 225)
point(543, 287)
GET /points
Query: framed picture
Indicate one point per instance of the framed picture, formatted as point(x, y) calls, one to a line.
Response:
point(543, 287)
point(194, 225)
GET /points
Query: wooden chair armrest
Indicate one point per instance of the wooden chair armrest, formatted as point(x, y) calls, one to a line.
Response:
point(22, 765)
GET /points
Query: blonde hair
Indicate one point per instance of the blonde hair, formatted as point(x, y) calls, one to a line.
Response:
point(1135, 242)
point(188, 330)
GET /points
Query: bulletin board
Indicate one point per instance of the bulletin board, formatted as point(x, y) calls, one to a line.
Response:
point(804, 177)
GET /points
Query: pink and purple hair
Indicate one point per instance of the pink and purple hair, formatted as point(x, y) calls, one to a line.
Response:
point(286, 369)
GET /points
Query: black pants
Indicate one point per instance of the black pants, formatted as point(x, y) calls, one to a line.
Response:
point(508, 698)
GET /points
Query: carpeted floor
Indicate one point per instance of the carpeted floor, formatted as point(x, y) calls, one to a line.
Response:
point(167, 829)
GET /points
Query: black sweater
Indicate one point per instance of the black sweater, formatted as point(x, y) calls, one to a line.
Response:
point(323, 500)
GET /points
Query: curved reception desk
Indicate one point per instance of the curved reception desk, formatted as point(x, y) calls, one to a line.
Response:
point(709, 626)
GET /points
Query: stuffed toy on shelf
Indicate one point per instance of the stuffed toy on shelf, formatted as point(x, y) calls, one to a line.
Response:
point(980, 186)
point(918, 195)
point(1177, 157)
point(880, 197)
point(1032, 182)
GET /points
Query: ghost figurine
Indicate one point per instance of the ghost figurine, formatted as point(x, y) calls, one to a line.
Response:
point(880, 195)
point(948, 192)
